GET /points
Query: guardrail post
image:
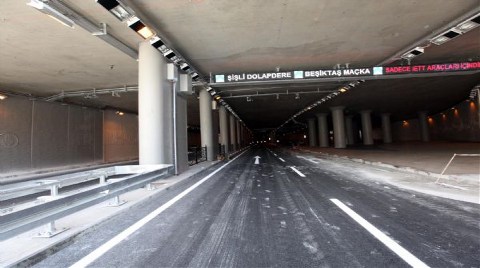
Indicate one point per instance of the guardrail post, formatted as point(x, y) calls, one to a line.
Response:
point(50, 229)
point(115, 201)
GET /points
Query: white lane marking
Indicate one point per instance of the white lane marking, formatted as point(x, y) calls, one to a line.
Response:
point(281, 159)
point(97, 253)
point(298, 172)
point(257, 160)
point(387, 241)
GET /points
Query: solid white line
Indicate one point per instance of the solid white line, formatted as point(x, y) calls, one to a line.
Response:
point(130, 230)
point(387, 241)
point(298, 172)
point(281, 159)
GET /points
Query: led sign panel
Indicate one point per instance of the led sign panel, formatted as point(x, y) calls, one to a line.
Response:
point(351, 72)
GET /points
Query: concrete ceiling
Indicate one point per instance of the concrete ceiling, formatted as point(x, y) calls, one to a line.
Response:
point(41, 57)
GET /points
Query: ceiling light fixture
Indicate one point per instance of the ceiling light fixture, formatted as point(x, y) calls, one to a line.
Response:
point(343, 89)
point(138, 26)
point(114, 7)
point(413, 53)
point(119, 113)
point(469, 24)
point(51, 12)
point(3, 97)
point(445, 36)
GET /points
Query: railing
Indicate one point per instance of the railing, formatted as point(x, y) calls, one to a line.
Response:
point(197, 155)
point(14, 222)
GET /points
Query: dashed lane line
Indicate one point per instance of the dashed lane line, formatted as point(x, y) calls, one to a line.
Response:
point(387, 241)
point(97, 253)
point(298, 172)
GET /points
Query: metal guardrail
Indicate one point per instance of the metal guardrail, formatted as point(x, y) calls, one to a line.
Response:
point(20, 221)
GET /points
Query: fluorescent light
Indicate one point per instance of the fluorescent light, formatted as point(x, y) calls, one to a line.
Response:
point(114, 7)
point(157, 43)
point(469, 24)
point(445, 36)
point(137, 25)
point(51, 12)
point(413, 53)
point(3, 97)
point(184, 66)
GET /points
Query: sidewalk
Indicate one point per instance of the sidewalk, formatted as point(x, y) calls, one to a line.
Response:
point(428, 157)
point(25, 246)
point(425, 161)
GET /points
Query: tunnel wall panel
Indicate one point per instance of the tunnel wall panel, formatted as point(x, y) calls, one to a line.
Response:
point(15, 134)
point(120, 136)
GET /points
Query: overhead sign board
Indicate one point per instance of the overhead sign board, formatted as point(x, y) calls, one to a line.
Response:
point(350, 72)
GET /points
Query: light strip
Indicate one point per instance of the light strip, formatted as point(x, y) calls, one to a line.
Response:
point(51, 12)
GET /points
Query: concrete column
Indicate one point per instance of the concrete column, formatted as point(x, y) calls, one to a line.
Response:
point(338, 127)
point(312, 137)
point(367, 127)
point(233, 133)
point(223, 115)
point(349, 130)
point(206, 123)
point(322, 129)
point(386, 128)
point(216, 131)
point(422, 118)
point(239, 143)
point(153, 103)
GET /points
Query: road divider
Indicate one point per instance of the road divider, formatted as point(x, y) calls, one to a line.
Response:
point(387, 241)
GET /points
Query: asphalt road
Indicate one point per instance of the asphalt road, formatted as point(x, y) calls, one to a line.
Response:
point(268, 215)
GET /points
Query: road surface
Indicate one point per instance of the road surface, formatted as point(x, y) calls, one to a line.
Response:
point(285, 211)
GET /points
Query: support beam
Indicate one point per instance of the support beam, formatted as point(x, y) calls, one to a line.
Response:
point(367, 134)
point(349, 130)
point(206, 123)
point(338, 127)
point(223, 115)
point(233, 133)
point(237, 127)
point(424, 133)
point(312, 137)
point(386, 128)
point(153, 95)
point(322, 129)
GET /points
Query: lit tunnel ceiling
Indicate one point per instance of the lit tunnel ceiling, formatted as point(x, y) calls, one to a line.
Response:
point(224, 36)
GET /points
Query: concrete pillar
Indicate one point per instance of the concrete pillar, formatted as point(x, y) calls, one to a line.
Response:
point(154, 104)
point(422, 118)
point(233, 133)
point(367, 134)
point(386, 128)
point(237, 127)
point(322, 129)
point(206, 123)
point(349, 130)
point(216, 131)
point(312, 137)
point(223, 115)
point(338, 127)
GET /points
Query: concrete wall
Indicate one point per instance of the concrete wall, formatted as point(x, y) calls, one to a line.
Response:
point(36, 135)
point(460, 123)
point(120, 136)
